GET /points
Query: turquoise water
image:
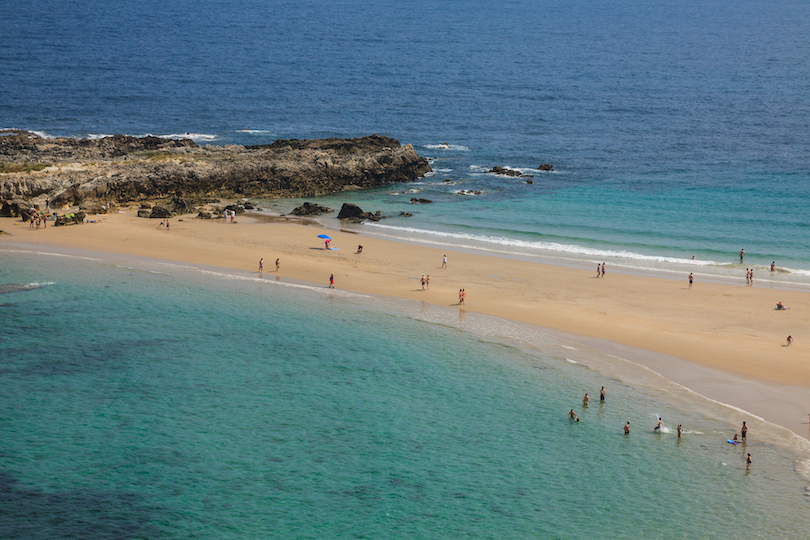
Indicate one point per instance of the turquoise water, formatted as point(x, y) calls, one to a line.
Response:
point(140, 399)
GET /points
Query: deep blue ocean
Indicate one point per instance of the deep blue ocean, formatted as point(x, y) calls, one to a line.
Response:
point(136, 404)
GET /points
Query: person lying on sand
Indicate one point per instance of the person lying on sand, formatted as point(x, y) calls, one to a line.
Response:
point(780, 307)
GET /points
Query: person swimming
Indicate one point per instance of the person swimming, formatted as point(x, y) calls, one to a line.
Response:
point(659, 425)
point(572, 415)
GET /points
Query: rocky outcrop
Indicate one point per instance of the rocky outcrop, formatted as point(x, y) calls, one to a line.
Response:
point(353, 213)
point(414, 200)
point(129, 169)
point(546, 167)
point(311, 209)
point(507, 172)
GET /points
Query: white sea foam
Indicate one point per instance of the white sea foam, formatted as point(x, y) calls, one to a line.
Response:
point(255, 131)
point(444, 146)
point(500, 243)
point(193, 136)
point(97, 136)
point(43, 134)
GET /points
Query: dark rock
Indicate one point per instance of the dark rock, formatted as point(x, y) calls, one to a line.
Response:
point(507, 172)
point(406, 214)
point(469, 192)
point(204, 215)
point(414, 200)
point(546, 167)
point(145, 213)
point(160, 212)
point(16, 208)
point(248, 206)
point(529, 181)
point(352, 212)
point(311, 209)
point(70, 219)
point(235, 208)
point(447, 180)
point(146, 206)
point(181, 205)
point(349, 211)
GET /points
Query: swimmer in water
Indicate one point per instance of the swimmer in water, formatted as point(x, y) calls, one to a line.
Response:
point(659, 425)
point(585, 400)
point(734, 438)
point(680, 431)
point(572, 415)
point(602, 394)
point(748, 462)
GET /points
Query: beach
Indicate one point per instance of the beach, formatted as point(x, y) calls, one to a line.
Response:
point(724, 341)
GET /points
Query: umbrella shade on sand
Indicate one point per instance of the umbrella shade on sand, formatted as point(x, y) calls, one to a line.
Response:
point(324, 237)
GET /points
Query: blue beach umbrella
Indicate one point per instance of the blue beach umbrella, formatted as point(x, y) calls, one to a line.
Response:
point(324, 237)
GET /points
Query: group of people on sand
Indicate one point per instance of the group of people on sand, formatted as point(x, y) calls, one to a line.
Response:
point(261, 266)
point(600, 270)
point(659, 426)
point(425, 282)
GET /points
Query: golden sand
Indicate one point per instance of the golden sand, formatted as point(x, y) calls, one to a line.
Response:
point(727, 327)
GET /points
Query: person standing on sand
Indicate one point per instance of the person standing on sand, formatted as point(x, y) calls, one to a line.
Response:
point(627, 428)
point(680, 431)
point(748, 462)
point(603, 269)
point(747, 274)
point(444, 261)
point(744, 431)
point(598, 271)
point(427, 282)
point(168, 225)
point(332, 280)
point(751, 278)
point(423, 282)
point(463, 296)
point(278, 264)
point(602, 395)
point(586, 400)
point(789, 341)
point(690, 279)
point(261, 266)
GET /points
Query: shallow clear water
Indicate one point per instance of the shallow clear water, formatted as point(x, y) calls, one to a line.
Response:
point(142, 399)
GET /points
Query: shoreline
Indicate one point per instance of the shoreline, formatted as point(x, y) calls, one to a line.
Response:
point(738, 361)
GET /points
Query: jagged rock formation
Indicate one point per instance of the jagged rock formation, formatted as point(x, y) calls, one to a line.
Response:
point(546, 167)
point(507, 172)
point(355, 214)
point(310, 209)
point(125, 169)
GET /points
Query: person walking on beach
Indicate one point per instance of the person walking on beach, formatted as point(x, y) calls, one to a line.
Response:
point(751, 278)
point(748, 462)
point(463, 297)
point(444, 261)
point(744, 431)
point(427, 282)
point(773, 266)
point(598, 271)
point(332, 280)
point(261, 266)
point(680, 431)
point(789, 341)
point(168, 225)
point(572, 415)
point(659, 425)
point(360, 248)
point(586, 400)
point(747, 275)
point(627, 428)
point(603, 269)
point(602, 395)
point(690, 279)
point(423, 282)
point(278, 264)
point(742, 255)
